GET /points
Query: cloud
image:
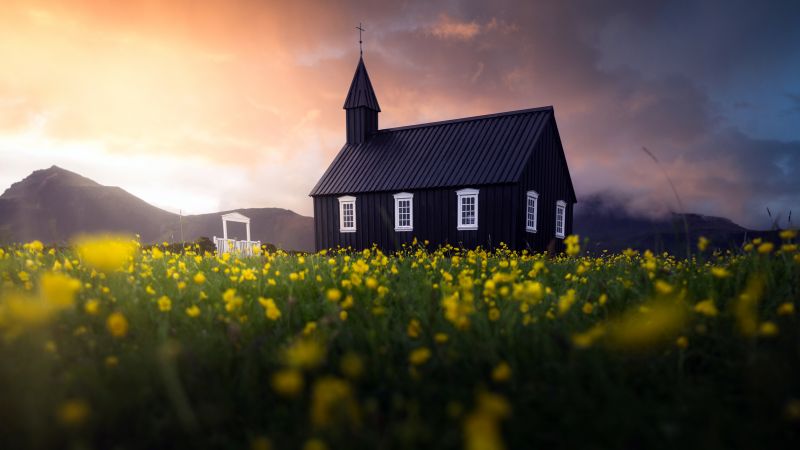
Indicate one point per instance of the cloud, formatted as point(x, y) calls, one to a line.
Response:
point(253, 91)
point(449, 28)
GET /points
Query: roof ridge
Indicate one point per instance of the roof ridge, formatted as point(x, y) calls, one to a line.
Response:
point(470, 118)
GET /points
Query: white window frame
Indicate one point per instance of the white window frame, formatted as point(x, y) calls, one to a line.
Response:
point(531, 197)
point(399, 197)
point(347, 200)
point(561, 207)
point(462, 195)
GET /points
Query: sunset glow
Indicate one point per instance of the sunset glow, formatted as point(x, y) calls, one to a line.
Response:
point(205, 106)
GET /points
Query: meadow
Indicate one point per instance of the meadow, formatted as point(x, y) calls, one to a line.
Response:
point(110, 345)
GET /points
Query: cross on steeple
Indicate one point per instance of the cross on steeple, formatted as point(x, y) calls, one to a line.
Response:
point(360, 48)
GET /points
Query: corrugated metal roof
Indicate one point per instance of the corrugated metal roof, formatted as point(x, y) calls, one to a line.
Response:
point(471, 151)
point(361, 92)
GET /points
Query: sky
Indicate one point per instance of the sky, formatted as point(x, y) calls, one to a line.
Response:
point(216, 105)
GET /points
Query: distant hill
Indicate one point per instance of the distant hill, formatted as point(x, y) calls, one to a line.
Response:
point(609, 227)
point(54, 204)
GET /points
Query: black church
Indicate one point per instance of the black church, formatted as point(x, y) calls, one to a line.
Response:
point(484, 180)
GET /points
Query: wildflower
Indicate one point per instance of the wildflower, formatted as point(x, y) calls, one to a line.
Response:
point(310, 328)
point(440, 338)
point(73, 413)
point(786, 309)
point(768, 329)
point(501, 373)
point(602, 299)
point(288, 382)
point(662, 287)
point(573, 245)
point(720, 272)
point(332, 400)
point(419, 356)
point(156, 253)
point(766, 248)
point(164, 304)
point(702, 243)
point(587, 338)
point(59, 290)
point(270, 308)
point(193, 311)
point(682, 342)
point(91, 307)
point(231, 300)
point(333, 295)
point(304, 354)
point(117, 325)
point(587, 308)
point(105, 253)
point(371, 283)
point(111, 361)
point(481, 426)
point(199, 278)
point(34, 246)
point(641, 330)
point(343, 315)
point(788, 235)
point(706, 308)
point(565, 302)
point(351, 365)
point(745, 308)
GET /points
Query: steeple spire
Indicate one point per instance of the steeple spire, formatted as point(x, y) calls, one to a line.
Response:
point(361, 106)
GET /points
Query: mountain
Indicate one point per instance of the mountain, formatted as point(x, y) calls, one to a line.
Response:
point(54, 204)
point(609, 227)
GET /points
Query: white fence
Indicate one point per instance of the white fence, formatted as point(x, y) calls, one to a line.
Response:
point(243, 248)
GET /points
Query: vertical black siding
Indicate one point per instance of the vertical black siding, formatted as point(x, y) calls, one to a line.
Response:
point(435, 216)
point(546, 174)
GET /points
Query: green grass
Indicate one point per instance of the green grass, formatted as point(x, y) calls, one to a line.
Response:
point(206, 381)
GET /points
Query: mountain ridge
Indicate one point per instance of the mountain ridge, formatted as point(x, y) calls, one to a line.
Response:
point(54, 205)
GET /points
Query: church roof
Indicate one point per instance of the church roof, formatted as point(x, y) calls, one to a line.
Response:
point(361, 92)
point(472, 151)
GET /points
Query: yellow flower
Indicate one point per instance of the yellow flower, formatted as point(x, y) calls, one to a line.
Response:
point(304, 353)
point(440, 338)
point(59, 290)
point(288, 382)
point(766, 248)
point(164, 304)
point(270, 308)
point(105, 253)
point(34, 246)
point(501, 372)
point(663, 288)
point(702, 243)
point(193, 311)
point(746, 307)
point(92, 307)
point(332, 401)
point(587, 308)
point(333, 295)
point(414, 329)
point(199, 278)
point(419, 356)
point(231, 300)
point(73, 413)
point(111, 361)
point(706, 308)
point(788, 234)
point(117, 325)
point(309, 328)
point(768, 329)
point(343, 315)
point(156, 253)
point(588, 337)
point(720, 272)
point(351, 365)
point(682, 342)
point(637, 330)
point(786, 309)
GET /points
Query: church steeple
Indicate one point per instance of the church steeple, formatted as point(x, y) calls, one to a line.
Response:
point(361, 106)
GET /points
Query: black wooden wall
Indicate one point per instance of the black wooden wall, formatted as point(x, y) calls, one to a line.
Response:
point(547, 174)
point(435, 216)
